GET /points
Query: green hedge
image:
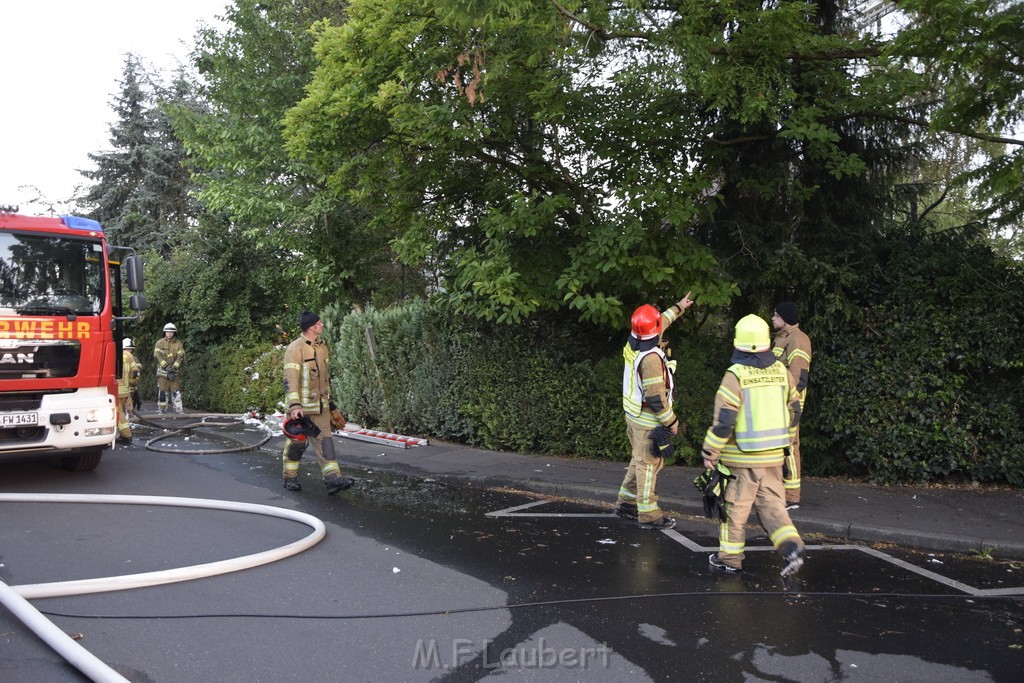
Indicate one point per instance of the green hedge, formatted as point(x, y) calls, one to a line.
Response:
point(927, 386)
point(532, 388)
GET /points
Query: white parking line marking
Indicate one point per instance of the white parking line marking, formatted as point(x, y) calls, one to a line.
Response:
point(695, 547)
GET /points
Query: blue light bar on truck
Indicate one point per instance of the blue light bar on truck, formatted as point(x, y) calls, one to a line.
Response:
point(79, 223)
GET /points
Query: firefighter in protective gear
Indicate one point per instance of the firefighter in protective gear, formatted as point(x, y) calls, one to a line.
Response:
point(757, 408)
point(169, 354)
point(131, 370)
point(307, 390)
point(793, 348)
point(650, 421)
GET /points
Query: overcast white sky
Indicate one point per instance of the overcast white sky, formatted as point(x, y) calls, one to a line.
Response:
point(60, 61)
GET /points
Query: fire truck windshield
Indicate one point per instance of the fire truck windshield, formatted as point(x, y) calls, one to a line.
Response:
point(50, 275)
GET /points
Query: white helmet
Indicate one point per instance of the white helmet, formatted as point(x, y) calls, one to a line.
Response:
point(169, 327)
point(127, 343)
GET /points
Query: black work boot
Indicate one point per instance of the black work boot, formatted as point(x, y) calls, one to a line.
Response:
point(626, 511)
point(716, 563)
point(659, 524)
point(292, 484)
point(339, 485)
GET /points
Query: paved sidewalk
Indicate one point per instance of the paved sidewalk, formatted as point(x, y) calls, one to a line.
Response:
point(933, 518)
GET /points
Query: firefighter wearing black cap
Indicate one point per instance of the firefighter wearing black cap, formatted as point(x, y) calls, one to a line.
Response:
point(307, 390)
point(793, 348)
point(756, 410)
point(650, 420)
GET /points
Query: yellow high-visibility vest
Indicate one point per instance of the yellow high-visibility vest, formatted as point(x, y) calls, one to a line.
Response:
point(763, 422)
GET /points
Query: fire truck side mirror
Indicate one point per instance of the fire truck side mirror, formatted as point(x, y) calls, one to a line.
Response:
point(137, 302)
point(136, 279)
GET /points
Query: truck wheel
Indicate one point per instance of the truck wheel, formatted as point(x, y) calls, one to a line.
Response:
point(86, 462)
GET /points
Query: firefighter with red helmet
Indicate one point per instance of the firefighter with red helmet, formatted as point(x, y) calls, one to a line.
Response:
point(650, 420)
point(307, 389)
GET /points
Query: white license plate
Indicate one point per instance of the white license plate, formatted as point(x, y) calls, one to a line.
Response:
point(18, 419)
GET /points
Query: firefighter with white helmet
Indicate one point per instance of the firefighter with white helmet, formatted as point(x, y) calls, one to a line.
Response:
point(131, 369)
point(757, 409)
point(169, 354)
point(650, 420)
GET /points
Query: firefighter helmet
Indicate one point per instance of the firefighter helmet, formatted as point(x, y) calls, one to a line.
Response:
point(646, 322)
point(127, 343)
point(299, 428)
point(752, 334)
point(169, 327)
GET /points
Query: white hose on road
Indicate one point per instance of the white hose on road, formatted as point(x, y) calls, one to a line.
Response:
point(76, 655)
point(15, 598)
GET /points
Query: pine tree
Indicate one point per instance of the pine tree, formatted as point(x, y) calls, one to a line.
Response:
point(140, 190)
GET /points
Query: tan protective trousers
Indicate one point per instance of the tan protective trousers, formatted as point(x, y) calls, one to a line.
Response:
point(323, 446)
point(124, 411)
point(757, 489)
point(641, 480)
point(792, 482)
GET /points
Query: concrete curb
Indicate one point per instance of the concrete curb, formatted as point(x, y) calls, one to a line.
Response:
point(805, 519)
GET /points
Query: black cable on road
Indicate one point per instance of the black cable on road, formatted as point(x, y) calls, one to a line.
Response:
point(543, 603)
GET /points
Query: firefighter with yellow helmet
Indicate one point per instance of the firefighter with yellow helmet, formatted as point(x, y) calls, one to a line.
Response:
point(169, 354)
point(647, 386)
point(757, 408)
point(131, 369)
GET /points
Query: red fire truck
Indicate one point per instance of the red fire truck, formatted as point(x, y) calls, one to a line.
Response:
point(60, 337)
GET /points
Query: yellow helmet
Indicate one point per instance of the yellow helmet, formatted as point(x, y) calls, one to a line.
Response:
point(752, 334)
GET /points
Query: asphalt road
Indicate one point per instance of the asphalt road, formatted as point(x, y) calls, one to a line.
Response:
point(419, 580)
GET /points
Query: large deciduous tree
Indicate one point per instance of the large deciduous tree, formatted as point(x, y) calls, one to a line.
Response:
point(252, 72)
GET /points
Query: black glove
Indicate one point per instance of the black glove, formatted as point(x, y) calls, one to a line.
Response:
point(136, 399)
point(785, 463)
point(171, 374)
point(712, 483)
point(662, 438)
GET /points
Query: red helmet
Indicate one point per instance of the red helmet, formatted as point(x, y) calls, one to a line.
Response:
point(646, 322)
point(299, 428)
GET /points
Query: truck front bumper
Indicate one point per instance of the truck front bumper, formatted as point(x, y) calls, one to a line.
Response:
point(86, 418)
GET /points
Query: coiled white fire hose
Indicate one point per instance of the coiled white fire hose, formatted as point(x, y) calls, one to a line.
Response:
point(15, 598)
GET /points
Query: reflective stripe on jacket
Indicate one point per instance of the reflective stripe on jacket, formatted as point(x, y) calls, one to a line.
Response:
point(761, 412)
point(634, 384)
point(129, 369)
point(169, 354)
point(793, 348)
point(307, 376)
point(763, 422)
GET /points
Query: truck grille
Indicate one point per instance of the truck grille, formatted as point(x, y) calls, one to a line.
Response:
point(21, 401)
point(39, 358)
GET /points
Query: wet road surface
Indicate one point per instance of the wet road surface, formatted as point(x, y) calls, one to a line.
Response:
point(419, 580)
